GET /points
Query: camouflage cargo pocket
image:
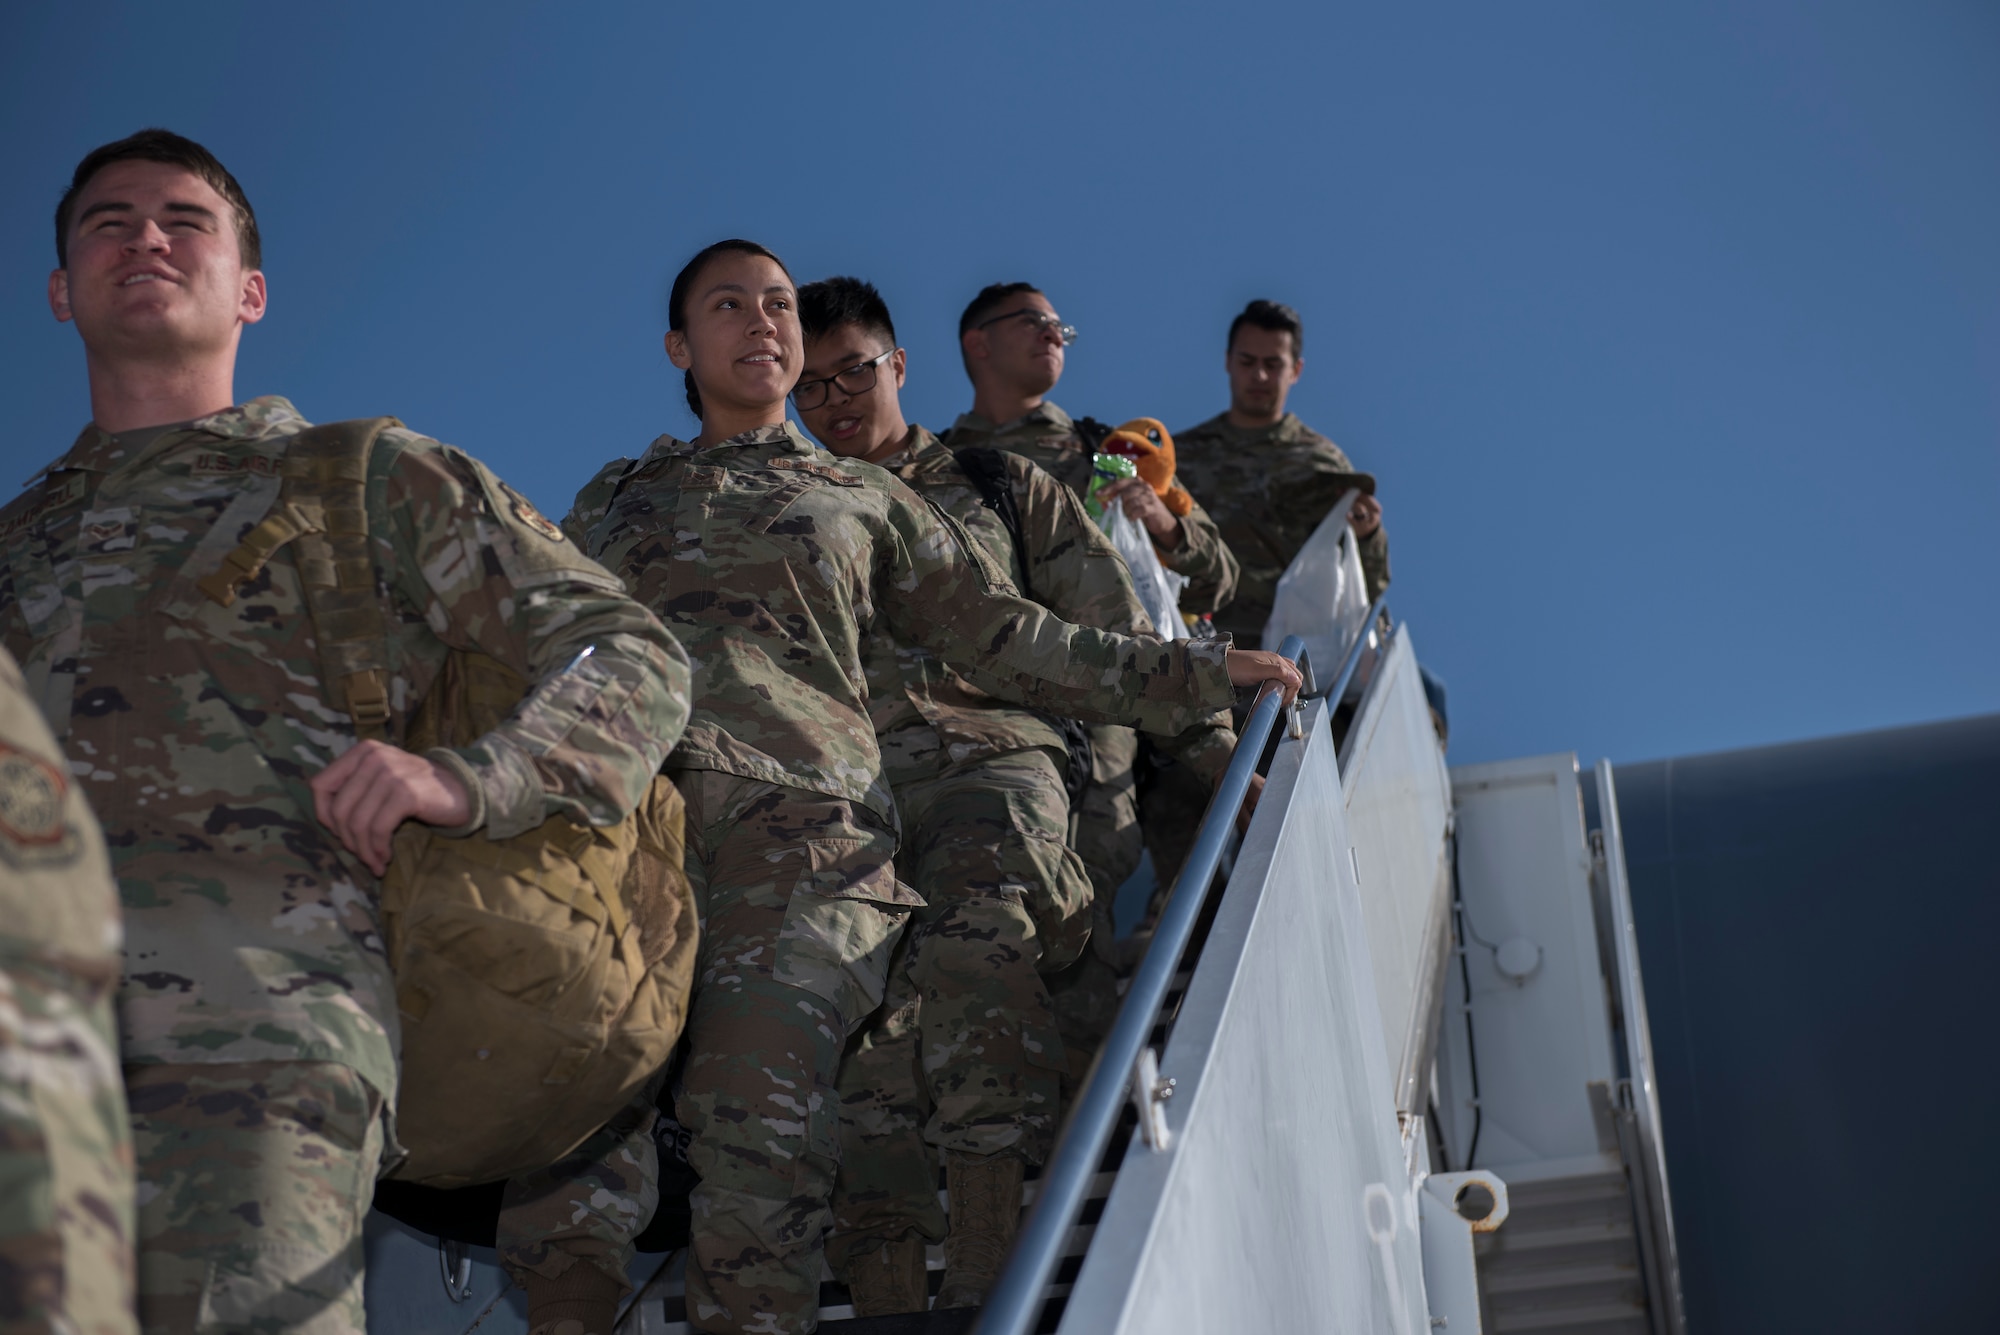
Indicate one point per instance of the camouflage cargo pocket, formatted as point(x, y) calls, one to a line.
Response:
point(844, 918)
point(1054, 884)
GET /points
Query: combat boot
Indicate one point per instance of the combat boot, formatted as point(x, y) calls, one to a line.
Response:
point(583, 1300)
point(889, 1277)
point(985, 1192)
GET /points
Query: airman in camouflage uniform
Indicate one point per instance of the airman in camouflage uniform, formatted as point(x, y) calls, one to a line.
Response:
point(1269, 480)
point(965, 1059)
point(247, 827)
point(65, 1148)
point(1013, 345)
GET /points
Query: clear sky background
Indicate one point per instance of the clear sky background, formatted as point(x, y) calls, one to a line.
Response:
point(1672, 332)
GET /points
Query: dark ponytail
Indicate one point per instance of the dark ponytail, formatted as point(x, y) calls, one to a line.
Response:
point(684, 282)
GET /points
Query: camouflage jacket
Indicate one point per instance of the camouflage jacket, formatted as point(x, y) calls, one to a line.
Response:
point(1049, 437)
point(55, 876)
point(1069, 566)
point(769, 558)
point(251, 932)
point(1268, 490)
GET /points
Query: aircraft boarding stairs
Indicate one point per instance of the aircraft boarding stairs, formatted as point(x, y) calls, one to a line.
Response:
point(1384, 1068)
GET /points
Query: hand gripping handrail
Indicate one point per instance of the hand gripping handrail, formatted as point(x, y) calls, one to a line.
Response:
point(1014, 1301)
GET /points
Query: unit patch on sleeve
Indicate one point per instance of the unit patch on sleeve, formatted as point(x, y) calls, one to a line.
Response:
point(32, 827)
point(525, 511)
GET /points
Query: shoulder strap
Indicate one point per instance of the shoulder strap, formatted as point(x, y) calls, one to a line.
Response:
point(1092, 430)
point(323, 506)
point(987, 468)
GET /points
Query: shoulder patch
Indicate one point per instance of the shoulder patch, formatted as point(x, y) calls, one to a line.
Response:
point(32, 792)
point(525, 511)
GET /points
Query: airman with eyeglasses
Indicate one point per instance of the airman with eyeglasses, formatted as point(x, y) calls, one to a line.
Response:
point(1014, 345)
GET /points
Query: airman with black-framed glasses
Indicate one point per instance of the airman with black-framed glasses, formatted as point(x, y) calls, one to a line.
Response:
point(854, 380)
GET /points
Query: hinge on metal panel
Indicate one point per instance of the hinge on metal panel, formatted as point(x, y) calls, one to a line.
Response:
point(1149, 1097)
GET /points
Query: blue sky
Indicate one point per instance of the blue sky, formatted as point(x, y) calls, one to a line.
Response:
point(1673, 333)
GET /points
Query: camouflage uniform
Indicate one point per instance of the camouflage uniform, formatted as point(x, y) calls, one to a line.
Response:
point(1104, 828)
point(257, 1014)
point(1268, 489)
point(1047, 436)
point(565, 1232)
point(769, 557)
point(65, 1151)
point(973, 1067)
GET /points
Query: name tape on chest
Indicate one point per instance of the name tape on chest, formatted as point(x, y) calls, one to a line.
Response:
point(54, 496)
point(211, 463)
point(818, 470)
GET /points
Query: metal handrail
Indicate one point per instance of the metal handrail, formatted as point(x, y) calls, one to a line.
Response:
point(1352, 661)
point(1015, 1300)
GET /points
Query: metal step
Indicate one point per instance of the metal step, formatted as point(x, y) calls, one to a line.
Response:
point(1567, 1259)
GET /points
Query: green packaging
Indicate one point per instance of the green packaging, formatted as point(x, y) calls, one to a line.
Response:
point(1104, 470)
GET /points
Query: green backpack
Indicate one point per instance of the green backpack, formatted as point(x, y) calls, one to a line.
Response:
point(542, 980)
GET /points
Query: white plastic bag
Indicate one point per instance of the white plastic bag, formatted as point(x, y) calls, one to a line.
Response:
point(1322, 597)
point(1159, 588)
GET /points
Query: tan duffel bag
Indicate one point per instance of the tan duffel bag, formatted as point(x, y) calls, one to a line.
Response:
point(543, 979)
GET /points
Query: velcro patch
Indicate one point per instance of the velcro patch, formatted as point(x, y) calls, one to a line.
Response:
point(54, 497)
point(830, 473)
point(31, 799)
point(525, 511)
point(211, 463)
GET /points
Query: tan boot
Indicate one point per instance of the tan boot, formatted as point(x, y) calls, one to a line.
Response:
point(583, 1300)
point(985, 1191)
point(889, 1277)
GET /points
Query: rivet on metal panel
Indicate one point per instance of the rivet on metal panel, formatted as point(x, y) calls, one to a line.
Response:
point(1149, 1093)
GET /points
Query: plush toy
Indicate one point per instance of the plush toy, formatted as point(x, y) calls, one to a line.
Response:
point(1145, 441)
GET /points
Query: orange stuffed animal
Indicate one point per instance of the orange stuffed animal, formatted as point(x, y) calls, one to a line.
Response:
point(1145, 441)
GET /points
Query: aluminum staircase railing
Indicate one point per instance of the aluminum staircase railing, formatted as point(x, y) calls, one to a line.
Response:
point(1278, 1186)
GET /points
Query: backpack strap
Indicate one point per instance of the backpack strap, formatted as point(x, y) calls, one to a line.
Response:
point(987, 468)
point(1093, 431)
point(323, 507)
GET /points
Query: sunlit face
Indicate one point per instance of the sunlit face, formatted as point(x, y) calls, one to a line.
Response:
point(154, 265)
point(860, 424)
point(1262, 370)
point(742, 338)
point(1023, 354)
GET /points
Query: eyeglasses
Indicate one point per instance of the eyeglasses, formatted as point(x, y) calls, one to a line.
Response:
point(1039, 321)
point(856, 379)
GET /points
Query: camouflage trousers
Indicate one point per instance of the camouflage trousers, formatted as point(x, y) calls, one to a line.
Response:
point(254, 1179)
point(66, 1223)
point(1104, 830)
point(800, 911)
point(589, 1207)
point(964, 1055)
